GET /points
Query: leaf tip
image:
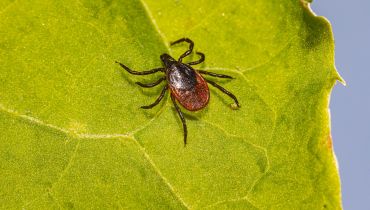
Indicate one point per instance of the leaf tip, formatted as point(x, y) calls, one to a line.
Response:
point(339, 78)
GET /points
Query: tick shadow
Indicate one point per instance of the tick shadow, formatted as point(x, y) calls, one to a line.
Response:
point(192, 116)
point(154, 111)
point(143, 79)
point(215, 92)
point(225, 99)
point(151, 93)
point(187, 115)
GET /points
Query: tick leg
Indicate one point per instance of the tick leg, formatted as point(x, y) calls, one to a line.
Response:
point(178, 110)
point(140, 72)
point(202, 57)
point(191, 46)
point(223, 90)
point(151, 84)
point(158, 99)
point(214, 74)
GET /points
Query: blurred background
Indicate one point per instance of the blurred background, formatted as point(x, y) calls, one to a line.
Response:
point(350, 105)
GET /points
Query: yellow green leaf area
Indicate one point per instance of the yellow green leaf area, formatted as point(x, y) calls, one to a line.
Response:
point(73, 135)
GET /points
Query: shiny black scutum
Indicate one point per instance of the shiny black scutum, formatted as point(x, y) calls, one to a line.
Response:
point(181, 76)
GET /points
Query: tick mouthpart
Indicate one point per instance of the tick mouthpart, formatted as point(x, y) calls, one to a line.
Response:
point(167, 60)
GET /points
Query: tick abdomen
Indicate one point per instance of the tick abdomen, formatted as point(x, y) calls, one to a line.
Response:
point(188, 87)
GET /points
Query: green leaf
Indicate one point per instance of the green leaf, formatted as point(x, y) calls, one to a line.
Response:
point(72, 134)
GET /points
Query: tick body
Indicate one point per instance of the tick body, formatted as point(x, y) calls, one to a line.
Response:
point(186, 85)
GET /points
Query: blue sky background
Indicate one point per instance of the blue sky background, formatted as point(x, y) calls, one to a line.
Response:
point(350, 105)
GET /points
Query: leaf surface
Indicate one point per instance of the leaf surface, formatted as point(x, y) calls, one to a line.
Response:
point(73, 135)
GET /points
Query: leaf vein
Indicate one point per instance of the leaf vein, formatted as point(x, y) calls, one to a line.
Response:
point(247, 81)
point(68, 165)
point(156, 169)
point(60, 129)
point(232, 135)
point(63, 172)
point(229, 201)
point(155, 25)
point(268, 163)
point(200, 23)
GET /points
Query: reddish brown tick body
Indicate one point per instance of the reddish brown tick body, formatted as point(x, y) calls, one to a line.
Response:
point(186, 85)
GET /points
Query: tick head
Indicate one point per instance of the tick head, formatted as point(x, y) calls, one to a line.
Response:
point(167, 60)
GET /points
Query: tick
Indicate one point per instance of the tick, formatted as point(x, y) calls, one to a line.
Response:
point(187, 86)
